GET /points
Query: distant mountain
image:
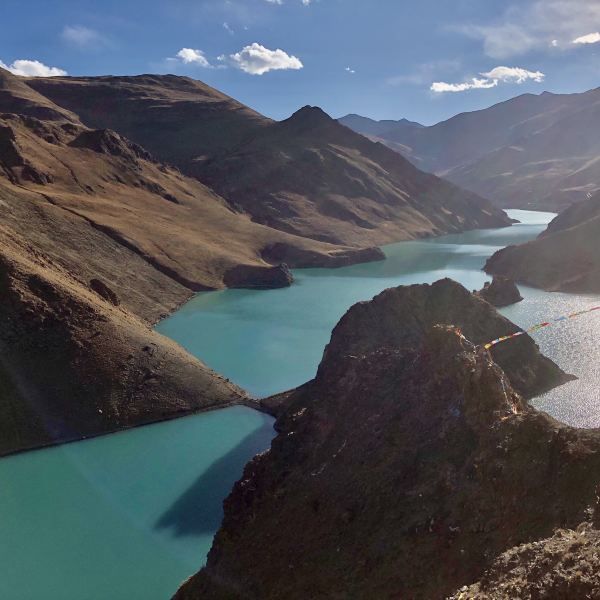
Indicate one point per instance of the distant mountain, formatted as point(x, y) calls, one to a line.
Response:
point(385, 129)
point(534, 151)
point(307, 175)
point(565, 257)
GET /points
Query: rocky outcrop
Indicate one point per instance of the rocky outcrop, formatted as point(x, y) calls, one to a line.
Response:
point(261, 278)
point(104, 291)
point(502, 291)
point(400, 317)
point(563, 567)
point(564, 258)
point(72, 365)
point(405, 468)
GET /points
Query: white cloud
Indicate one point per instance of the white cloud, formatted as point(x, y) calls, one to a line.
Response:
point(475, 84)
point(227, 28)
point(513, 75)
point(32, 68)
point(258, 60)
point(191, 56)
point(529, 25)
point(79, 35)
point(350, 70)
point(489, 80)
point(590, 38)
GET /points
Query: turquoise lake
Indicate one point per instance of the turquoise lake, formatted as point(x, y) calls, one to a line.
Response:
point(271, 341)
point(130, 515)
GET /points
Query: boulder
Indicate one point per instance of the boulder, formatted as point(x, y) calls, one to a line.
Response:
point(502, 291)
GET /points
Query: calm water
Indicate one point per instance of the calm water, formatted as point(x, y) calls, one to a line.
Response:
point(126, 516)
point(271, 341)
point(129, 516)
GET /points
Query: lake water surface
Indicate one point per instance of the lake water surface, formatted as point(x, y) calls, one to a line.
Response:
point(130, 515)
point(268, 342)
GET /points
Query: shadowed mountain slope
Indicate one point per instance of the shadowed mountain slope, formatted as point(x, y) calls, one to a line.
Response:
point(565, 257)
point(103, 186)
point(313, 177)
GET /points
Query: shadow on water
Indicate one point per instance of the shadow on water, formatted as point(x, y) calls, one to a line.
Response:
point(199, 510)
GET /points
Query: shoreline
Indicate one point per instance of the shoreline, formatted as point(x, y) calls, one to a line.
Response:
point(253, 403)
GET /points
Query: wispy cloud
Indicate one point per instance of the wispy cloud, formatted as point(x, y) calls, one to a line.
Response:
point(490, 79)
point(423, 74)
point(350, 70)
point(529, 25)
point(258, 60)
point(228, 28)
point(590, 38)
point(84, 37)
point(32, 68)
point(280, 2)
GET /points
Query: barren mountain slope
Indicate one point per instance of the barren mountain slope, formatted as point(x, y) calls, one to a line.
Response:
point(311, 176)
point(566, 257)
point(74, 364)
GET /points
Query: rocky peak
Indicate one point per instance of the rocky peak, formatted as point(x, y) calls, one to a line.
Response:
point(399, 317)
point(309, 118)
point(17, 97)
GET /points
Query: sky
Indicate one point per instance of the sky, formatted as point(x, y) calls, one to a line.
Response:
point(424, 60)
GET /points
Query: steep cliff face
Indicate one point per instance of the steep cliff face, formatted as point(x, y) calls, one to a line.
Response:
point(564, 258)
point(73, 365)
point(403, 469)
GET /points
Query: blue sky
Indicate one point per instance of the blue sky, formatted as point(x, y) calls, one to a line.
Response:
point(425, 60)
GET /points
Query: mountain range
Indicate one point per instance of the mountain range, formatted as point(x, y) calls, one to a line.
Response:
point(533, 151)
point(102, 236)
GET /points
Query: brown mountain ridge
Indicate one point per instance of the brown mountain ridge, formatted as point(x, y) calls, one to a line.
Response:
point(306, 175)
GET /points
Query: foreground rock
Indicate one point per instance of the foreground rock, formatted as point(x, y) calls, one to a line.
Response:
point(564, 258)
point(73, 365)
point(563, 567)
point(404, 468)
point(502, 291)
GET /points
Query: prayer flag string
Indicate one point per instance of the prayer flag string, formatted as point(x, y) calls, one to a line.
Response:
point(540, 326)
